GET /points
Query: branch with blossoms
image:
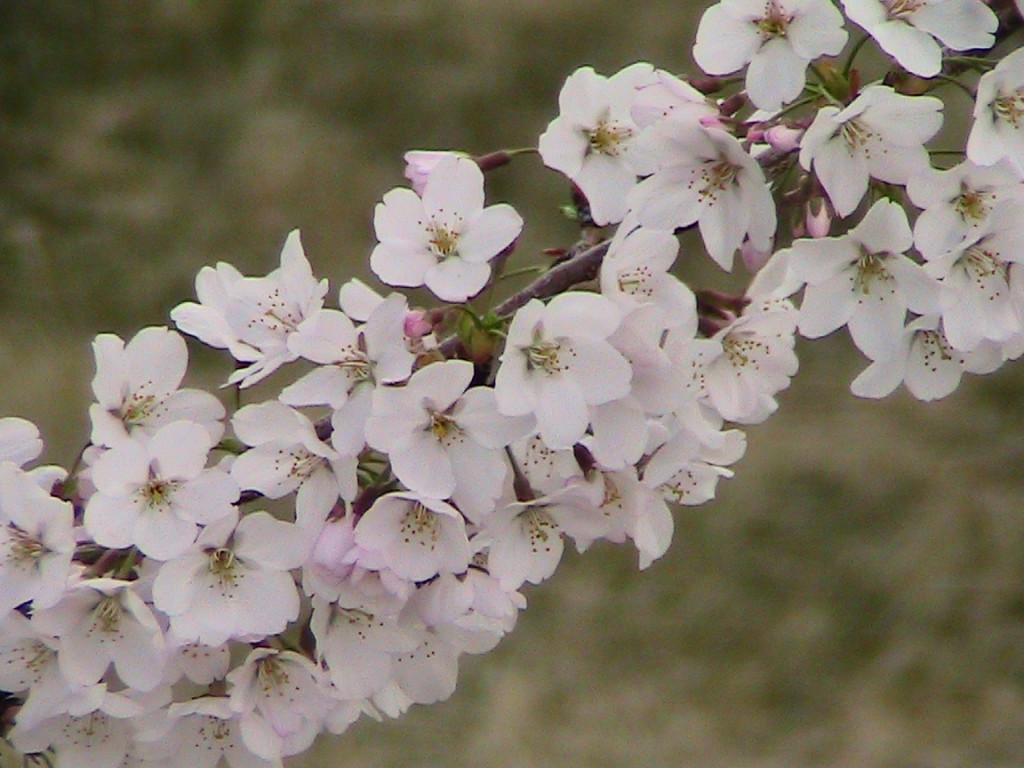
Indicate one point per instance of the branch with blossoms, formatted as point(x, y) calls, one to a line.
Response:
point(436, 459)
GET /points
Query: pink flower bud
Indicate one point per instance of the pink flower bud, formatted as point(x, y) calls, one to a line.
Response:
point(711, 121)
point(818, 223)
point(417, 324)
point(756, 134)
point(753, 258)
point(335, 541)
point(419, 163)
point(783, 138)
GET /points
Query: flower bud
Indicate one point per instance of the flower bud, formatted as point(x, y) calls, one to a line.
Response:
point(818, 223)
point(420, 162)
point(417, 324)
point(711, 121)
point(783, 138)
point(753, 258)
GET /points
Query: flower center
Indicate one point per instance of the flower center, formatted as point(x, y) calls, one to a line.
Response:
point(271, 673)
point(157, 494)
point(739, 350)
point(935, 345)
point(540, 528)
point(357, 366)
point(543, 355)
point(23, 548)
point(442, 425)
point(304, 462)
point(980, 264)
point(635, 281)
point(444, 241)
point(717, 176)
point(870, 268)
point(972, 205)
point(1010, 108)
point(854, 133)
point(108, 614)
point(275, 315)
point(137, 409)
point(774, 23)
point(420, 523)
point(902, 9)
point(222, 565)
point(608, 138)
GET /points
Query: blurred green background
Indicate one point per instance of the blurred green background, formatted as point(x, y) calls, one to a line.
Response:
point(853, 598)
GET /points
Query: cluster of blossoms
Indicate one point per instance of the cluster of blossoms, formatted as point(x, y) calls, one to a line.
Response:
point(435, 460)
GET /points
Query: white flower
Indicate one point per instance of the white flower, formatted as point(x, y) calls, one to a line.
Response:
point(19, 441)
point(253, 317)
point(154, 495)
point(525, 538)
point(958, 201)
point(353, 362)
point(665, 95)
point(359, 646)
point(738, 371)
point(428, 673)
point(703, 175)
point(413, 536)
point(287, 455)
point(95, 734)
point(635, 273)
point(880, 135)
point(281, 700)
point(443, 441)
point(906, 29)
point(28, 666)
point(863, 280)
point(686, 468)
point(998, 130)
point(589, 141)
point(36, 542)
point(446, 239)
point(199, 663)
point(234, 582)
point(975, 296)
point(924, 361)
point(102, 622)
point(778, 39)
point(557, 362)
point(137, 383)
point(200, 733)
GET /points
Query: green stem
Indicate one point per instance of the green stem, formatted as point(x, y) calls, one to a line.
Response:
point(853, 55)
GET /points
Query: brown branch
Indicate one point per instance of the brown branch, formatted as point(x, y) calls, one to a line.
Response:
point(577, 269)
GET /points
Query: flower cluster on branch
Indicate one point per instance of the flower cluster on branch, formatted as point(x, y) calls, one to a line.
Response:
point(435, 460)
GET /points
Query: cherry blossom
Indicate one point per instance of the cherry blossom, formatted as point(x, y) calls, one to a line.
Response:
point(590, 139)
point(777, 39)
point(154, 495)
point(958, 201)
point(907, 29)
point(234, 581)
point(288, 456)
point(104, 622)
point(137, 383)
point(998, 130)
point(281, 700)
point(880, 135)
point(19, 441)
point(252, 317)
point(975, 297)
point(703, 175)
point(446, 239)
point(924, 361)
point(414, 536)
point(36, 542)
point(557, 361)
point(444, 441)
point(864, 280)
